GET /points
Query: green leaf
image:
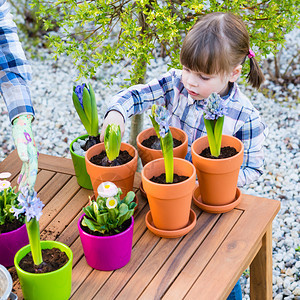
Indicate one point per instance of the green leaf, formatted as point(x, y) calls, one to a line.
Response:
point(218, 133)
point(211, 138)
point(86, 101)
point(112, 141)
point(84, 120)
point(94, 114)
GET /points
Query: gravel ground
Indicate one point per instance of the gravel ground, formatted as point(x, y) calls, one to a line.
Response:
point(57, 124)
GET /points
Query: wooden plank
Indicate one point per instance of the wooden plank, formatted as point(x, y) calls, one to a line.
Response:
point(237, 251)
point(201, 257)
point(66, 215)
point(59, 201)
point(53, 187)
point(261, 270)
point(11, 163)
point(156, 259)
point(56, 164)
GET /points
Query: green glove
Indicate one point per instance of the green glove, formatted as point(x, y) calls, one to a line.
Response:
point(24, 141)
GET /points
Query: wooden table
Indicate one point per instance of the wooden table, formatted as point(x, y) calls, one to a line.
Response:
point(204, 264)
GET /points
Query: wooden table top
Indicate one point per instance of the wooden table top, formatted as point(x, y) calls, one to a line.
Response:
point(204, 264)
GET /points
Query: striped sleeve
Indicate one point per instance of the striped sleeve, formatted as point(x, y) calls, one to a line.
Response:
point(15, 71)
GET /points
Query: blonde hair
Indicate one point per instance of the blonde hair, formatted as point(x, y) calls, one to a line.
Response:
point(216, 44)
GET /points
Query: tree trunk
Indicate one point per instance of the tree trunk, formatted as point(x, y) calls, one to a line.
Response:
point(137, 121)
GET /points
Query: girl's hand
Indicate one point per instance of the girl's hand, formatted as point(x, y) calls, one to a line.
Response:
point(113, 117)
point(25, 144)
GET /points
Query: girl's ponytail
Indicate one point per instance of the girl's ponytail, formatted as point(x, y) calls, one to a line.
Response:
point(255, 76)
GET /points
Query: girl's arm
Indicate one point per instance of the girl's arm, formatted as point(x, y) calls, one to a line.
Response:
point(252, 134)
point(139, 98)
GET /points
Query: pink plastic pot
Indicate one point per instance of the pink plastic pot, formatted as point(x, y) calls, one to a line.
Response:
point(10, 243)
point(107, 253)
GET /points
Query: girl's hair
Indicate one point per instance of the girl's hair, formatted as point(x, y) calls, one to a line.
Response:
point(217, 43)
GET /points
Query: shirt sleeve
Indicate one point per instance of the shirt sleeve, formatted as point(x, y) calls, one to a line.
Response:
point(15, 71)
point(139, 98)
point(252, 134)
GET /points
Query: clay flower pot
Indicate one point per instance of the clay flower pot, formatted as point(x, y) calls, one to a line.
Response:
point(83, 178)
point(10, 243)
point(170, 204)
point(147, 154)
point(217, 177)
point(107, 253)
point(122, 176)
point(52, 285)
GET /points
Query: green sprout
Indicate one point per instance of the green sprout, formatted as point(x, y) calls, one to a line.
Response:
point(112, 141)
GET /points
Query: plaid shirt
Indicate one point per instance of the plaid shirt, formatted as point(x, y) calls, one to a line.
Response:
point(241, 121)
point(15, 71)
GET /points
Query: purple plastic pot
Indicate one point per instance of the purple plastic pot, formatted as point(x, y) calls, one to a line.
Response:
point(10, 243)
point(107, 253)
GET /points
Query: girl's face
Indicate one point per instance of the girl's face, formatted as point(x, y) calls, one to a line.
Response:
point(200, 85)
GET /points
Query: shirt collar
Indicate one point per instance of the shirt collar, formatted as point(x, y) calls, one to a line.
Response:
point(200, 103)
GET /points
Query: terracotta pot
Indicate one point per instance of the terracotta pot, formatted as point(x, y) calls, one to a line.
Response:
point(146, 154)
point(122, 176)
point(217, 177)
point(10, 243)
point(83, 178)
point(52, 285)
point(107, 253)
point(170, 204)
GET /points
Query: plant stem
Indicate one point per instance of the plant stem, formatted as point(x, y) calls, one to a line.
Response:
point(33, 230)
point(167, 150)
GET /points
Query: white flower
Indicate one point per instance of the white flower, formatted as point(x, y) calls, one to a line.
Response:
point(4, 184)
point(111, 202)
point(107, 189)
point(4, 175)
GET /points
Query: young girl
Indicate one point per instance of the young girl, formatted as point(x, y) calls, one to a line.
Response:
point(212, 56)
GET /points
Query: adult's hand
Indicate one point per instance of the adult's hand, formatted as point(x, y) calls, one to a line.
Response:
point(113, 117)
point(25, 144)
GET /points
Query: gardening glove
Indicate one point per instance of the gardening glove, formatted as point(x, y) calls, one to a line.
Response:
point(113, 117)
point(25, 144)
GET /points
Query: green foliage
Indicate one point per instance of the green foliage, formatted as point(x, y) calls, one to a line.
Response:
point(108, 219)
point(138, 28)
point(8, 199)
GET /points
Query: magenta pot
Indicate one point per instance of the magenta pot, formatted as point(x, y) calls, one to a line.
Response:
point(107, 253)
point(10, 243)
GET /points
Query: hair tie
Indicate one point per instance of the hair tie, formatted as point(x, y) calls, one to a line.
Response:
point(251, 54)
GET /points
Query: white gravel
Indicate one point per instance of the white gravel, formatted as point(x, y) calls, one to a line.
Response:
point(57, 124)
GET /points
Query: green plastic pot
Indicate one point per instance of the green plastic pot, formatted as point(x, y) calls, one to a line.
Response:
point(83, 178)
point(47, 286)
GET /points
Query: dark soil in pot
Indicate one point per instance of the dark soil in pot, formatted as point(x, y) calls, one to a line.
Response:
point(7, 227)
point(153, 142)
point(91, 141)
point(123, 227)
point(102, 160)
point(53, 259)
point(162, 178)
point(224, 153)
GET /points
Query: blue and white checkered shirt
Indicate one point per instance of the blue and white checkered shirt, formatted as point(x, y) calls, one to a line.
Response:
point(15, 71)
point(242, 120)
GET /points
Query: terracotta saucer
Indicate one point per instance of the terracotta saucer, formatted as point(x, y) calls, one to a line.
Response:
point(171, 233)
point(217, 209)
point(143, 191)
